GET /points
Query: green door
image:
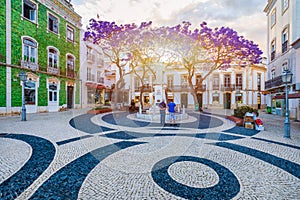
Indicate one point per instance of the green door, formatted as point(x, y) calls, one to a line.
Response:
point(227, 100)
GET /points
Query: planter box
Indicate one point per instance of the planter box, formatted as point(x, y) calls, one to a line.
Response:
point(96, 112)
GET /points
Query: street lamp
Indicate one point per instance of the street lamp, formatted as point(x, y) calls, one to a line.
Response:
point(286, 78)
point(23, 78)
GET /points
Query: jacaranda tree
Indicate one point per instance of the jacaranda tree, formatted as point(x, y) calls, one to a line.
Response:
point(142, 46)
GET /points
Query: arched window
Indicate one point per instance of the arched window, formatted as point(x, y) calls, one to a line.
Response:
point(29, 50)
point(53, 58)
point(70, 66)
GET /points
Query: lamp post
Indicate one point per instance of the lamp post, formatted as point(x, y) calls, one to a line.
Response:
point(286, 78)
point(23, 78)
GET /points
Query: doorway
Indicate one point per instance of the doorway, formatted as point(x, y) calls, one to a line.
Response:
point(227, 100)
point(70, 94)
point(184, 100)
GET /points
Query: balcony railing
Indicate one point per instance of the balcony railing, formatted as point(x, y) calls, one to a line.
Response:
point(284, 46)
point(216, 87)
point(275, 82)
point(228, 87)
point(29, 65)
point(70, 73)
point(110, 73)
point(147, 88)
point(52, 70)
point(238, 87)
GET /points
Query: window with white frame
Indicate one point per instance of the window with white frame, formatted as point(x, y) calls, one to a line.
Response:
point(136, 83)
point(29, 50)
point(53, 58)
point(70, 62)
point(99, 78)
point(29, 10)
point(284, 38)
point(170, 79)
point(52, 23)
point(273, 17)
point(285, 5)
point(70, 33)
point(89, 74)
point(273, 74)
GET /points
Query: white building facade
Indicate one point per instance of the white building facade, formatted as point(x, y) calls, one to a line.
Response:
point(237, 86)
point(283, 53)
point(96, 83)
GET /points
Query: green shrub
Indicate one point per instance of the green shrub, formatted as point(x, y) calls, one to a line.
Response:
point(242, 110)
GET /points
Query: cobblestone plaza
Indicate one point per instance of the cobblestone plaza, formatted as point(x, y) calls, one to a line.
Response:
point(74, 155)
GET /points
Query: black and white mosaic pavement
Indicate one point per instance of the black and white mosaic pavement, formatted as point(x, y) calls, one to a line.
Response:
point(112, 156)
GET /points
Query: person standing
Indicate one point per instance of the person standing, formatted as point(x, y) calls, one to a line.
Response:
point(172, 106)
point(162, 111)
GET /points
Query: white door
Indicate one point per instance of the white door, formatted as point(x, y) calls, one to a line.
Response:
point(53, 98)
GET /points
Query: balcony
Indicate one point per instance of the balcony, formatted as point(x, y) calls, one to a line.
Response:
point(238, 87)
point(228, 87)
point(110, 73)
point(29, 65)
point(52, 70)
point(70, 73)
point(275, 82)
point(201, 87)
point(284, 46)
point(216, 87)
point(147, 88)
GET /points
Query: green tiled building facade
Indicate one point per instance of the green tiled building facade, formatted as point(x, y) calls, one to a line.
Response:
point(41, 38)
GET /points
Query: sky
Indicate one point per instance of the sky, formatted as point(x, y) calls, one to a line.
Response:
point(244, 16)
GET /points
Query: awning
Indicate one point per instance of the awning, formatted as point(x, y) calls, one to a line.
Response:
point(291, 96)
point(95, 85)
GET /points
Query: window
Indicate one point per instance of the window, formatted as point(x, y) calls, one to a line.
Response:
point(285, 65)
point(170, 79)
point(89, 74)
point(273, 18)
point(136, 83)
point(239, 98)
point(70, 66)
point(29, 93)
point(285, 5)
point(99, 78)
point(284, 38)
point(273, 50)
point(227, 80)
point(52, 23)
point(258, 82)
point(53, 58)
point(29, 50)
point(29, 10)
point(184, 81)
point(70, 33)
point(52, 92)
point(70, 62)
point(216, 82)
point(239, 81)
point(89, 55)
point(273, 74)
point(215, 97)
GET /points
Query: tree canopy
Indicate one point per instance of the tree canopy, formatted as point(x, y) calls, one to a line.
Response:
point(143, 45)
